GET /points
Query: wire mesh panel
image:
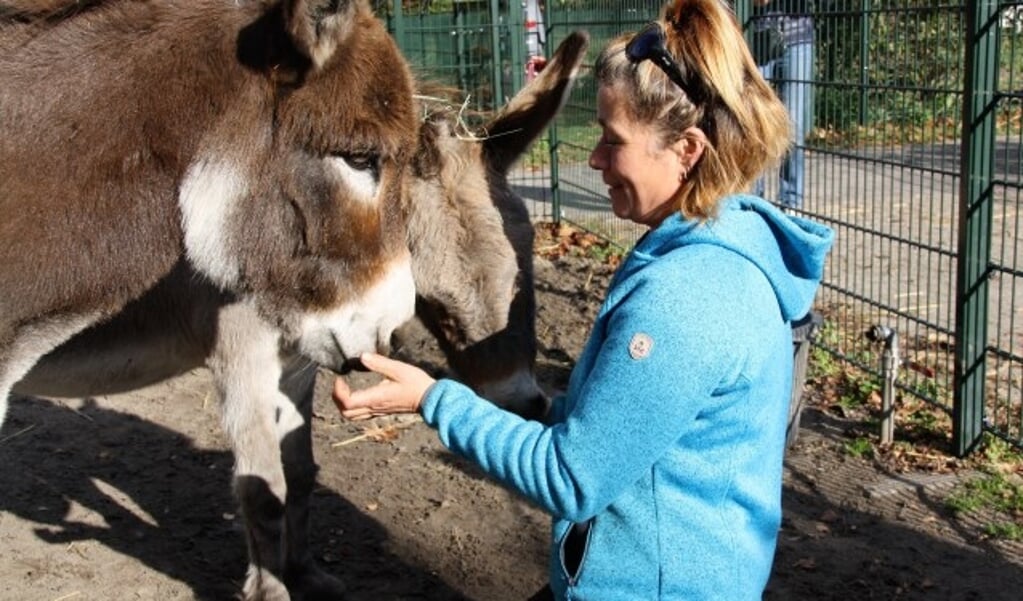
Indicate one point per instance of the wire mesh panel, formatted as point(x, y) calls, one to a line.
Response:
point(882, 168)
point(1004, 350)
point(479, 50)
point(464, 44)
point(885, 168)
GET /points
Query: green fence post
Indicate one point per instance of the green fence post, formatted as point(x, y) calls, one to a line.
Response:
point(742, 13)
point(458, 23)
point(975, 221)
point(398, 24)
point(864, 59)
point(496, 55)
point(516, 27)
point(550, 18)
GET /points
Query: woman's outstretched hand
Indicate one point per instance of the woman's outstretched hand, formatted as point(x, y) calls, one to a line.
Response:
point(401, 391)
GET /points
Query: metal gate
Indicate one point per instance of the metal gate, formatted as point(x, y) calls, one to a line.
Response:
point(914, 158)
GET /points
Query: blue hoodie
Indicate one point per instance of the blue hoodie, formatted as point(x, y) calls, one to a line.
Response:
point(668, 443)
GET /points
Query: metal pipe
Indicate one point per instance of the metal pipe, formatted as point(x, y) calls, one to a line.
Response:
point(890, 369)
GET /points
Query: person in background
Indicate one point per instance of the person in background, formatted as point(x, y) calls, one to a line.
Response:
point(783, 46)
point(662, 463)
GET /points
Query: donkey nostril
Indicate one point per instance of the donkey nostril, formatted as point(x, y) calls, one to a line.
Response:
point(534, 408)
point(539, 406)
point(353, 364)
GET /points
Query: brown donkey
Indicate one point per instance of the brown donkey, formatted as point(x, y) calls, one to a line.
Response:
point(205, 182)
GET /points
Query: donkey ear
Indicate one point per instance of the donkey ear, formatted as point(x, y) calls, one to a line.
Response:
point(532, 109)
point(316, 27)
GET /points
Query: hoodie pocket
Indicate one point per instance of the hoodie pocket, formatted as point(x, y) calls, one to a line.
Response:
point(573, 550)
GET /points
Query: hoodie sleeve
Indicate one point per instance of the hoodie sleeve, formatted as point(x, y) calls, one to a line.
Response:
point(659, 365)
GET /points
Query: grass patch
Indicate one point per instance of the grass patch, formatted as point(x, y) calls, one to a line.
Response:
point(996, 496)
point(1005, 530)
point(861, 448)
point(990, 491)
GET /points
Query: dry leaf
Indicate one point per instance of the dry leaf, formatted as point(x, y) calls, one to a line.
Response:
point(874, 398)
point(920, 368)
point(382, 433)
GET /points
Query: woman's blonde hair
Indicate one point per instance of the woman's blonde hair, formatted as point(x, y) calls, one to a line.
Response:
point(746, 126)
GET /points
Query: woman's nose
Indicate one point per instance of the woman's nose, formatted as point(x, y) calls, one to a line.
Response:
point(597, 158)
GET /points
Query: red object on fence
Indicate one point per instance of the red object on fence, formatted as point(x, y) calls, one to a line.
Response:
point(534, 65)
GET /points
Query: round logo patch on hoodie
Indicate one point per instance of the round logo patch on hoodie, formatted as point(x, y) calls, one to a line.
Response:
point(640, 346)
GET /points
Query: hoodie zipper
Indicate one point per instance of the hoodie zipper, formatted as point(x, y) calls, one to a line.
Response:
point(584, 530)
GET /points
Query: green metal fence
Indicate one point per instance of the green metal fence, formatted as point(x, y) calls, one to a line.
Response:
point(914, 158)
point(476, 46)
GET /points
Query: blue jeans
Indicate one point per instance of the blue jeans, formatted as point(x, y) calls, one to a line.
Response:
point(791, 74)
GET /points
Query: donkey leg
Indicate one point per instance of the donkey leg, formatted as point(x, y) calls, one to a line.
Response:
point(303, 576)
point(22, 348)
point(256, 416)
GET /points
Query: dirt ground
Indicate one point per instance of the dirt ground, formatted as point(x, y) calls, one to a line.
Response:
point(128, 497)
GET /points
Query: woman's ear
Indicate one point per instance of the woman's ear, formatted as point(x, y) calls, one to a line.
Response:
point(690, 147)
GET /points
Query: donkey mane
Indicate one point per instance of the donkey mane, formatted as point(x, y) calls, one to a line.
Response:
point(446, 107)
point(45, 10)
point(439, 108)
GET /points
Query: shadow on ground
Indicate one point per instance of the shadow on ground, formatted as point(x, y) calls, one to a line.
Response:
point(148, 494)
point(851, 531)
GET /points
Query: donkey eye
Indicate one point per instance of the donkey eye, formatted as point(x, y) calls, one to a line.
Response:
point(361, 161)
point(359, 171)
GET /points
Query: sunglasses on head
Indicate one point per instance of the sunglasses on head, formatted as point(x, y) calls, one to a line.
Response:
point(649, 44)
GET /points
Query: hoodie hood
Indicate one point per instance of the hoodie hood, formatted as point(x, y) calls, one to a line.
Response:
point(789, 250)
